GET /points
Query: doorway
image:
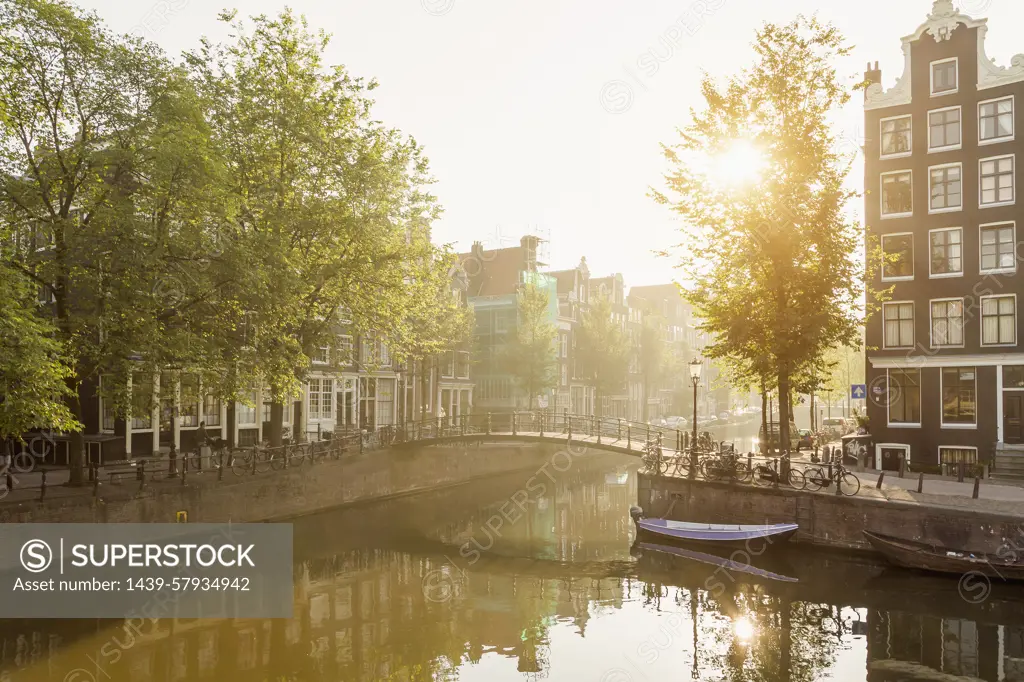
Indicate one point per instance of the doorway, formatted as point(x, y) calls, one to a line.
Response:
point(1013, 430)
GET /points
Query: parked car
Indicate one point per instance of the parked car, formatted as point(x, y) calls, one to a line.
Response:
point(724, 416)
point(806, 440)
point(676, 422)
point(794, 435)
point(837, 427)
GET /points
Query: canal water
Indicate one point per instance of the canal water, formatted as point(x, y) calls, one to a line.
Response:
point(522, 577)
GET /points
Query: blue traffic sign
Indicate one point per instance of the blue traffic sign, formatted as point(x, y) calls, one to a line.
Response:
point(858, 391)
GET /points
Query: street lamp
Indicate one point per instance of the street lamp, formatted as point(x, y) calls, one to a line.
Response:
point(695, 368)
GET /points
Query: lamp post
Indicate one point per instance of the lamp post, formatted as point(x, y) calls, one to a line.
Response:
point(695, 367)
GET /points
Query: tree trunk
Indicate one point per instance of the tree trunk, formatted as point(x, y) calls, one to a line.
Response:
point(766, 441)
point(76, 447)
point(299, 428)
point(784, 409)
point(276, 423)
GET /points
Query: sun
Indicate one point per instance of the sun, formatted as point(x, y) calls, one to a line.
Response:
point(738, 165)
point(744, 629)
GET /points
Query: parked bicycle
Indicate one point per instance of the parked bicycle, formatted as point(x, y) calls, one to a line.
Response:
point(766, 474)
point(654, 461)
point(845, 480)
point(725, 466)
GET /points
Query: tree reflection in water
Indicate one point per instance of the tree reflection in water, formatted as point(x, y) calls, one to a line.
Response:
point(383, 593)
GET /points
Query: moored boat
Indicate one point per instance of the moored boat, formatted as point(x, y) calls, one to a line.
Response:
point(925, 556)
point(715, 533)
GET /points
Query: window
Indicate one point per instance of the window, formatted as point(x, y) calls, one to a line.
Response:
point(951, 457)
point(321, 355)
point(995, 120)
point(385, 355)
point(211, 411)
point(106, 405)
point(998, 248)
point(565, 346)
point(945, 188)
point(343, 352)
point(142, 402)
point(565, 375)
point(999, 320)
point(326, 399)
point(944, 77)
point(245, 415)
point(944, 129)
point(997, 181)
point(385, 402)
point(189, 400)
point(448, 365)
point(1013, 376)
point(959, 393)
point(896, 136)
point(946, 252)
point(898, 250)
point(904, 387)
point(948, 322)
point(898, 320)
point(897, 194)
point(462, 364)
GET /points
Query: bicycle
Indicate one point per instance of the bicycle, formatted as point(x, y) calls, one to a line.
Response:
point(766, 474)
point(681, 464)
point(725, 466)
point(847, 483)
point(652, 458)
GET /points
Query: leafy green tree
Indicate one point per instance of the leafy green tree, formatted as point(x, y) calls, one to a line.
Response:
point(331, 206)
point(530, 355)
point(103, 193)
point(771, 254)
point(603, 348)
point(33, 364)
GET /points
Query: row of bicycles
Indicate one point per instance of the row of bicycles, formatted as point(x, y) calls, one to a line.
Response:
point(727, 465)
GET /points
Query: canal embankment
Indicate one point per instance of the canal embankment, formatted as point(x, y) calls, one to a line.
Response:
point(215, 496)
point(837, 522)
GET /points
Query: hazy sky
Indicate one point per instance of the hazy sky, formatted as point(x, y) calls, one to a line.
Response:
point(545, 116)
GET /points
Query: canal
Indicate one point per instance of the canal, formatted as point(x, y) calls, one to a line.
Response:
point(504, 580)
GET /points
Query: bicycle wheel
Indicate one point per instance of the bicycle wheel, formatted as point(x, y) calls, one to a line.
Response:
point(663, 464)
point(815, 478)
point(763, 475)
point(741, 472)
point(849, 484)
point(240, 465)
point(797, 481)
point(277, 460)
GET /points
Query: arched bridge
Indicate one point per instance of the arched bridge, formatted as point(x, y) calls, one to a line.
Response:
point(603, 433)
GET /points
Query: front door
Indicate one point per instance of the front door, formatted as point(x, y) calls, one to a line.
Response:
point(1013, 430)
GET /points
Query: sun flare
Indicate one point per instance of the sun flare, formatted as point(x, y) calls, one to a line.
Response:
point(744, 629)
point(738, 165)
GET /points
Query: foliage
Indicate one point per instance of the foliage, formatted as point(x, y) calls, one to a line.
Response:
point(772, 263)
point(530, 355)
point(603, 348)
point(33, 365)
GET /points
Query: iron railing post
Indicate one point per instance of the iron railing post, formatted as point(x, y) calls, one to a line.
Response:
point(514, 430)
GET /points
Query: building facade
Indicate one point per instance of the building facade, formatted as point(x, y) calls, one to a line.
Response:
point(575, 393)
point(946, 373)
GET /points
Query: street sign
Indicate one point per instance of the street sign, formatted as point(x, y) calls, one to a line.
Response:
point(858, 391)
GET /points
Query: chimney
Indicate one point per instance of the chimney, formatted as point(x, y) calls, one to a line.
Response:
point(477, 250)
point(872, 76)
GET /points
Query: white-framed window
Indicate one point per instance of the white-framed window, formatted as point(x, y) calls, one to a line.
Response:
point(448, 365)
point(945, 252)
point(944, 76)
point(343, 350)
point(995, 120)
point(565, 375)
point(462, 364)
point(998, 244)
point(999, 320)
point(945, 188)
point(997, 181)
point(142, 402)
point(211, 410)
point(896, 137)
point(245, 415)
point(897, 194)
point(959, 389)
point(108, 418)
point(188, 401)
point(385, 355)
point(326, 399)
point(904, 397)
point(947, 323)
point(314, 398)
point(898, 252)
point(565, 346)
point(950, 457)
point(898, 324)
point(321, 355)
point(944, 133)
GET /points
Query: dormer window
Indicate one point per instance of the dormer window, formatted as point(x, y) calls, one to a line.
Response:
point(944, 76)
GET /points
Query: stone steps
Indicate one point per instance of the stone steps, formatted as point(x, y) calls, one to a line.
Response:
point(1009, 465)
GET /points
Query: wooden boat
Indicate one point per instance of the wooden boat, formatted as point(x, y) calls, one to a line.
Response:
point(924, 556)
point(716, 533)
point(712, 560)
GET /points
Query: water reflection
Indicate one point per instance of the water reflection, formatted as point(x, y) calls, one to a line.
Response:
point(389, 592)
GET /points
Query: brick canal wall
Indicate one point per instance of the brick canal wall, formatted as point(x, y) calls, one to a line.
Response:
point(293, 492)
point(826, 520)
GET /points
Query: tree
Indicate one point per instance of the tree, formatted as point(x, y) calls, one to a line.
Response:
point(331, 207)
point(603, 348)
point(33, 364)
point(103, 191)
point(771, 257)
point(530, 355)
